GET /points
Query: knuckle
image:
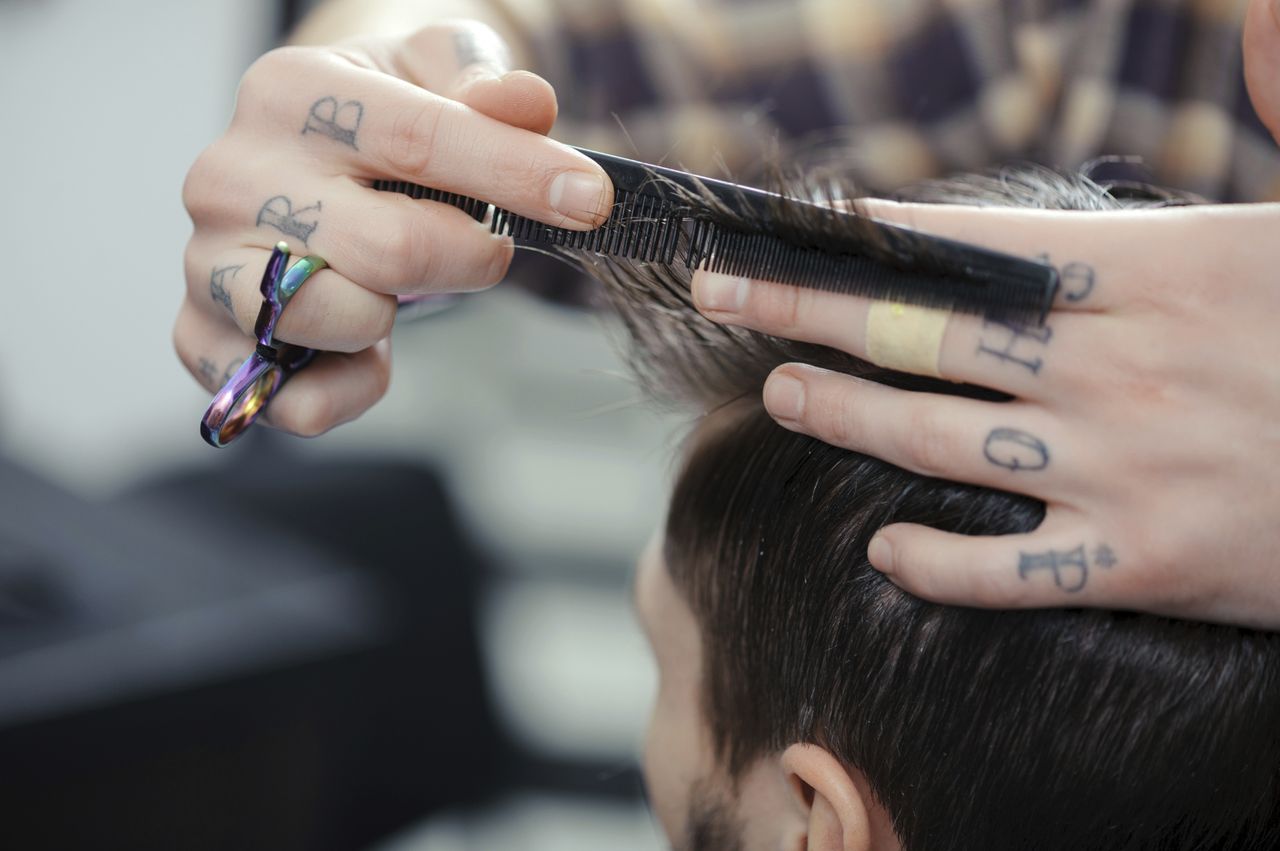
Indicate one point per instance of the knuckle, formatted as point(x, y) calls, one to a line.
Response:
point(402, 256)
point(309, 415)
point(411, 139)
point(836, 416)
point(199, 185)
point(380, 319)
point(916, 572)
point(345, 321)
point(270, 69)
point(432, 38)
point(190, 266)
point(776, 306)
point(926, 443)
point(180, 337)
point(989, 588)
point(536, 178)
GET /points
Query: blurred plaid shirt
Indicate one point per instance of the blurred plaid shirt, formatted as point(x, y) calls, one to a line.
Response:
point(910, 88)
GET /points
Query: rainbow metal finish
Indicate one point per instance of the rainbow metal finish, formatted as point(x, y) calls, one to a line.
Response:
point(243, 397)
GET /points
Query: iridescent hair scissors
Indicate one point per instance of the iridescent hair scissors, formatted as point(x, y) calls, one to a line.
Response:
point(272, 363)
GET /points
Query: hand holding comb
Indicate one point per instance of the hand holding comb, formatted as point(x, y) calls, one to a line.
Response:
point(663, 215)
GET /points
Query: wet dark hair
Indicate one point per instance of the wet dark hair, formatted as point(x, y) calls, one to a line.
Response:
point(1052, 729)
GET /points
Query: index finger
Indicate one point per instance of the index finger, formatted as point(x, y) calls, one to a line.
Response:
point(1115, 258)
point(378, 126)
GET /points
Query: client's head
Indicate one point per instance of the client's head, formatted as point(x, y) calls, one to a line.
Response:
point(806, 702)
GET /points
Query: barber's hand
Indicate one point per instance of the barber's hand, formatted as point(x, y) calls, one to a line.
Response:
point(1147, 411)
point(313, 127)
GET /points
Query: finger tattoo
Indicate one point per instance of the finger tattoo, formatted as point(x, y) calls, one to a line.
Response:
point(1015, 343)
point(1103, 556)
point(278, 212)
point(208, 372)
point(217, 284)
point(1016, 450)
point(1077, 280)
point(339, 121)
point(231, 369)
point(1069, 568)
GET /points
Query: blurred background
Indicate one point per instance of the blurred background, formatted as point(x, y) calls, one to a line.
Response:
point(413, 633)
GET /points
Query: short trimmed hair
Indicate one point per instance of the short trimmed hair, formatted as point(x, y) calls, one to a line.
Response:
point(976, 729)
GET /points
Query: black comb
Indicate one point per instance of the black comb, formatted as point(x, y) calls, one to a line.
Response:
point(662, 215)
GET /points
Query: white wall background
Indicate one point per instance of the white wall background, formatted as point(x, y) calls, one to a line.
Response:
point(104, 106)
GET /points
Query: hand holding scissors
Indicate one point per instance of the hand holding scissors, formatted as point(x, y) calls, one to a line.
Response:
point(314, 127)
point(272, 363)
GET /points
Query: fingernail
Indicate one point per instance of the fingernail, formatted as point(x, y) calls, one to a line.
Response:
point(784, 397)
point(726, 293)
point(577, 195)
point(880, 554)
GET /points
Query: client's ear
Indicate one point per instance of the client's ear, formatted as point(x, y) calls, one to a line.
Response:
point(835, 812)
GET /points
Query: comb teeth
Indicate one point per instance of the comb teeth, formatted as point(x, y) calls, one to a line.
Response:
point(474, 208)
point(639, 227)
point(654, 228)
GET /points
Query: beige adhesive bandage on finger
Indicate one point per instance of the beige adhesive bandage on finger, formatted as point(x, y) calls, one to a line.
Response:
point(906, 337)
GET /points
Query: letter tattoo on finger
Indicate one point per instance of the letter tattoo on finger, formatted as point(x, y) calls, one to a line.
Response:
point(1104, 557)
point(231, 369)
point(1077, 280)
point(1015, 450)
point(208, 372)
point(278, 212)
point(1069, 568)
point(338, 121)
point(1015, 343)
point(217, 284)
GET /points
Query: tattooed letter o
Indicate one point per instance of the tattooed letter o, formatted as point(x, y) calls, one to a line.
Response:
point(1016, 450)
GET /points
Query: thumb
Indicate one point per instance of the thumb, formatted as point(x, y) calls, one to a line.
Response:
point(519, 98)
point(485, 82)
point(467, 61)
point(1262, 61)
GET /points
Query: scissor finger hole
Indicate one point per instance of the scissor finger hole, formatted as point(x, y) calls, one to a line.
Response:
point(231, 414)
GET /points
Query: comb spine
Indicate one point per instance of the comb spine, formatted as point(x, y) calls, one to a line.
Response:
point(918, 268)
